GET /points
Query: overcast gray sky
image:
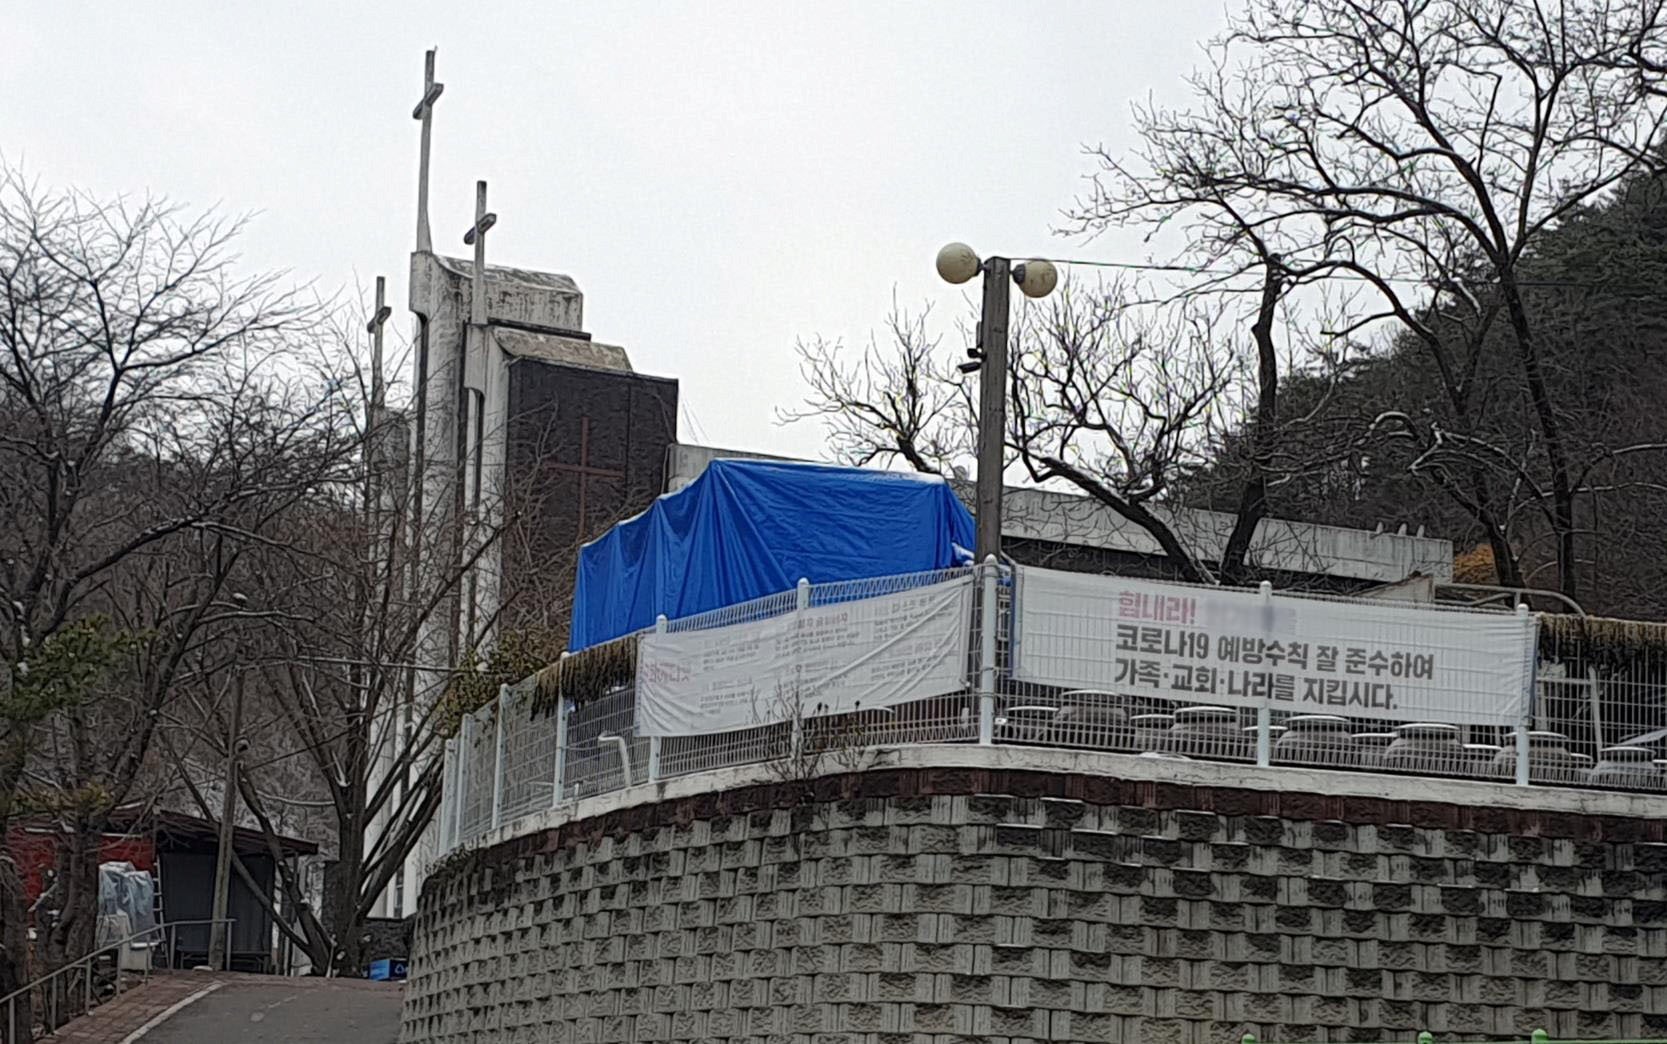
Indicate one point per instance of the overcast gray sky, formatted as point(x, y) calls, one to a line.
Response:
point(720, 178)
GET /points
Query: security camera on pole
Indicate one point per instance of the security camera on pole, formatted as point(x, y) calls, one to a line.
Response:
point(958, 263)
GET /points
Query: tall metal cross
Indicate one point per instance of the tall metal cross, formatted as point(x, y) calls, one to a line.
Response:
point(376, 460)
point(586, 471)
point(476, 237)
point(374, 328)
point(477, 369)
point(425, 112)
point(375, 417)
point(477, 397)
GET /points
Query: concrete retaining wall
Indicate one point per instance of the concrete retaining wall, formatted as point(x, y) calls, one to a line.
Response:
point(945, 904)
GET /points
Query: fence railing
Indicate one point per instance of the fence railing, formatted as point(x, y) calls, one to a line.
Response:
point(1598, 717)
point(45, 1005)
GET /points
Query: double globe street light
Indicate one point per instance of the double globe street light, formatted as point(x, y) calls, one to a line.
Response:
point(1036, 278)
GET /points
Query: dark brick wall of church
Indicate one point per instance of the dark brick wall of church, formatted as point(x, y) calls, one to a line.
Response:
point(586, 448)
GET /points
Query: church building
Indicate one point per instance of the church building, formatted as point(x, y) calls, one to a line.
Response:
point(528, 437)
point(547, 438)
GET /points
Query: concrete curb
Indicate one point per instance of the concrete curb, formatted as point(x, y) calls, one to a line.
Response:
point(169, 1012)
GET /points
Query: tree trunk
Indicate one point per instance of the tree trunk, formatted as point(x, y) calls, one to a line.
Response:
point(74, 929)
point(350, 948)
point(1556, 451)
point(1253, 503)
point(1180, 559)
point(15, 967)
point(344, 924)
point(14, 949)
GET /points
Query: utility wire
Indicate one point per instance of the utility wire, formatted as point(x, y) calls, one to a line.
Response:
point(1351, 277)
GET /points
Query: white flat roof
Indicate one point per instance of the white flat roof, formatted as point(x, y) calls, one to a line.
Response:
point(1072, 518)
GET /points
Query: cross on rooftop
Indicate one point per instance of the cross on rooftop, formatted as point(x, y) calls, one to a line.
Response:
point(425, 112)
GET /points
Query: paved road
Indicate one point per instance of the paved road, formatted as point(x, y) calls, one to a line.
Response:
point(269, 1011)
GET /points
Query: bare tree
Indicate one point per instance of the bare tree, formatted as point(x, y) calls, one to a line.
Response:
point(1421, 148)
point(900, 402)
point(1115, 392)
point(347, 665)
point(151, 437)
point(804, 743)
point(344, 670)
point(1115, 400)
point(181, 609)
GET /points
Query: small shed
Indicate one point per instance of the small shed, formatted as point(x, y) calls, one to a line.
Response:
point(186, 847)
point(179, 850)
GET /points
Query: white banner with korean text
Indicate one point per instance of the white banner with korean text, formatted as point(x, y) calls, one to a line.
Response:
point(1238, 648)
point(834, 659)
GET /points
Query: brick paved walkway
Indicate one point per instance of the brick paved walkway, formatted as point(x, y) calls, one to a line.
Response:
point(289, 1011)
point(333, 999)
point(111, 1022)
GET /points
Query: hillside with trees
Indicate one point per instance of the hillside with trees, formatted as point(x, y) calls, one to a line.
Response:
point(1593, 289)
point(1419, 253)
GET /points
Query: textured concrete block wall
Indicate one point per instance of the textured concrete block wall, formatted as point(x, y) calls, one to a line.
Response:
point(939, 907)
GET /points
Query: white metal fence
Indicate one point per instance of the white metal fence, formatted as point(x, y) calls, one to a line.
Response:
point(1598, 719)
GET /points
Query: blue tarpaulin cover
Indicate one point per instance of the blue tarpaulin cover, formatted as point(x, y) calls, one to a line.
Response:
point(749, 528)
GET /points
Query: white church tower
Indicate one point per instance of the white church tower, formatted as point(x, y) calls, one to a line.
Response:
point(486, 337)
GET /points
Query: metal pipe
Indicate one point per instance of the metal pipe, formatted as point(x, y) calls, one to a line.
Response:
point(560, 772)
point(624, 751)
point(1522, 765)
point(1594, 693)
point(796, 738)
point(465, 755)
point(1494, 591)
point(661, 624)
point(453, 784)
point(1264, 713)
point(992, 406)
point(987, 653)
point(218, 944)
point(502, 706)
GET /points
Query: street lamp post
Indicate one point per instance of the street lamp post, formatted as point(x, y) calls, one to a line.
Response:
point(958, 263)
point(219, 931)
